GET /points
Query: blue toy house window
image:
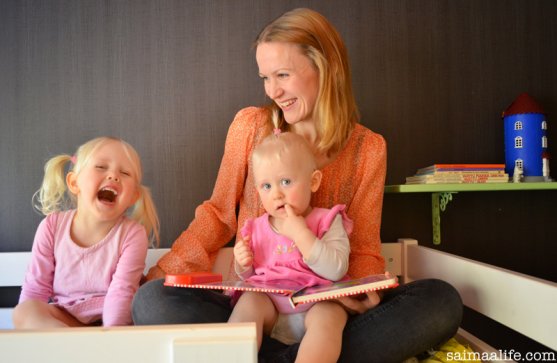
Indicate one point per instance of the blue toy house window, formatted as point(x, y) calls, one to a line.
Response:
point(518, 125)
point(544, 142)
point(544, 125)
point(518, 142)
point(519, 163)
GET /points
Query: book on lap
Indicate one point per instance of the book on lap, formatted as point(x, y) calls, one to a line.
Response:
point(296, 294)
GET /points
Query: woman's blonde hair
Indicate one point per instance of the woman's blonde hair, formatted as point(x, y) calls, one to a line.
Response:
point(54, 195)
point(335, 109)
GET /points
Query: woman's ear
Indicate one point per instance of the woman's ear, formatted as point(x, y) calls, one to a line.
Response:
point(316, 180)
point(71, 182)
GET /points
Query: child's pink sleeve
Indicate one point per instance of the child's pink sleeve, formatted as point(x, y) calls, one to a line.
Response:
point(125, 281)
point(40, 272)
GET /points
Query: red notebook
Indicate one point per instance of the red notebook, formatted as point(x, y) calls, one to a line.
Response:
point(297, 295)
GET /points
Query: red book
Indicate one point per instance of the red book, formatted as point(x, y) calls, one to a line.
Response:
point(192, 278)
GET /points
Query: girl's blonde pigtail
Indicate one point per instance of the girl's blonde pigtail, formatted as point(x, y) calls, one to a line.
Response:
point(52, 197)
point(145, 213)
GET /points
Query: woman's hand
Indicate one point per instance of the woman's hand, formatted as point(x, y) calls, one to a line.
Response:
point(243, 253)
point(359, 304)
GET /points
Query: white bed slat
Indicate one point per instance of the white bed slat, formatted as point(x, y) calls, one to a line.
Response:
point(13, 266)
point(521, 302)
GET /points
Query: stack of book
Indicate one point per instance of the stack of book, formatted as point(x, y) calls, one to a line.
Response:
point(460, 173)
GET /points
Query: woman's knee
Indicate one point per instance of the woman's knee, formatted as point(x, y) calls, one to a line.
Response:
point(445, 294)
point(155, 303)
point(146, 301)
point(441, 302)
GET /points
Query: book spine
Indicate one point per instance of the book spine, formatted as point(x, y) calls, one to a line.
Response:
point(462, 172)
point(461, 167)
point(448, 181)
point(459, 177)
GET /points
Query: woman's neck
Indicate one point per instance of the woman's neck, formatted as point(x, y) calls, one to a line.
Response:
point(309, 132)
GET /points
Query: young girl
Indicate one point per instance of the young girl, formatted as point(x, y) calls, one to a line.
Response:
point(88, 256)
point(295, 242)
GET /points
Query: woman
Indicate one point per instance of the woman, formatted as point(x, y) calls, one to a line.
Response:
point(305, 71)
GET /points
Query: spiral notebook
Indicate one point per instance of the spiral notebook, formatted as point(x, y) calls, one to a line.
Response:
point(297, 295)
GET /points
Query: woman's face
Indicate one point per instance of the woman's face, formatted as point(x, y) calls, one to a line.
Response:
point(290, 78)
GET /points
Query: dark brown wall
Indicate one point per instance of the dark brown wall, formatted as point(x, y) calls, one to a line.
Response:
point(432, 76)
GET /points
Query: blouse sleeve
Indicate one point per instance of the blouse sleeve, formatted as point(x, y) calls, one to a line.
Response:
point(365, 209)
point(215, 221)
point(125, 280)
point(40, 272)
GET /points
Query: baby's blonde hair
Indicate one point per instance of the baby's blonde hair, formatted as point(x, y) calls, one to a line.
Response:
point(54, 195)
point(284, 145)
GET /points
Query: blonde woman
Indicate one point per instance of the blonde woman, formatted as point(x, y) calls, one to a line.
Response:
point(304, 68)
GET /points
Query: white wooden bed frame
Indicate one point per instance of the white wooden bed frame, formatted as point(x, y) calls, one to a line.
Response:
point(521, 302)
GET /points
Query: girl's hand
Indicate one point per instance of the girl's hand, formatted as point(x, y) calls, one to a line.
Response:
point(243, 253)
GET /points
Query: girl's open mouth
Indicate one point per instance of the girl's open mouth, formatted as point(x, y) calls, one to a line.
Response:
point(107, 195)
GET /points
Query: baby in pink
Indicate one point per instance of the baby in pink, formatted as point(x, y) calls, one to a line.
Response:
point(276, 258)
point(292, 243)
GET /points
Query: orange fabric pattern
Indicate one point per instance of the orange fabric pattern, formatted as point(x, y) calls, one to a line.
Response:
point(354, 178)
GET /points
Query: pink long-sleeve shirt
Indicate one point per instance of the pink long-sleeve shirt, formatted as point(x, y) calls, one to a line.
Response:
point(92, 283)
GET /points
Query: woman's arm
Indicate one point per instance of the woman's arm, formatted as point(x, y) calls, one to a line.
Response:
point(365, 211)
point(366, 206)
point(215, 221)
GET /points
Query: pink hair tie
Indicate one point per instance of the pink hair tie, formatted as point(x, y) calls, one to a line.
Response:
point(73, 159)
point(276, 131)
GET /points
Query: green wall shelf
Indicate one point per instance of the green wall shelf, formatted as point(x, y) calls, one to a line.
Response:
point(442, 194)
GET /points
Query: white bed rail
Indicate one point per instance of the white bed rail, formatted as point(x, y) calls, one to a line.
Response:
point(524, 303)
point(212, 343)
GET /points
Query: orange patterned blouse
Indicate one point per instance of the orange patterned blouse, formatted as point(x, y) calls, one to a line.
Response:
point(355, 178)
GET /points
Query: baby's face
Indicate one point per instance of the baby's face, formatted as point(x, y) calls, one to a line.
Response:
point(281, 182)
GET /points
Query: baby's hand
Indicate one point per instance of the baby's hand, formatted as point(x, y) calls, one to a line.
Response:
point(294, 225)
point(243, 253)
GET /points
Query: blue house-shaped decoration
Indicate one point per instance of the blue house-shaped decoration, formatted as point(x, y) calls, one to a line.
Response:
point(526, 140)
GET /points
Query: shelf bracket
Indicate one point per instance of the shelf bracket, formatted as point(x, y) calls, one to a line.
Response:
point(439, 202)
